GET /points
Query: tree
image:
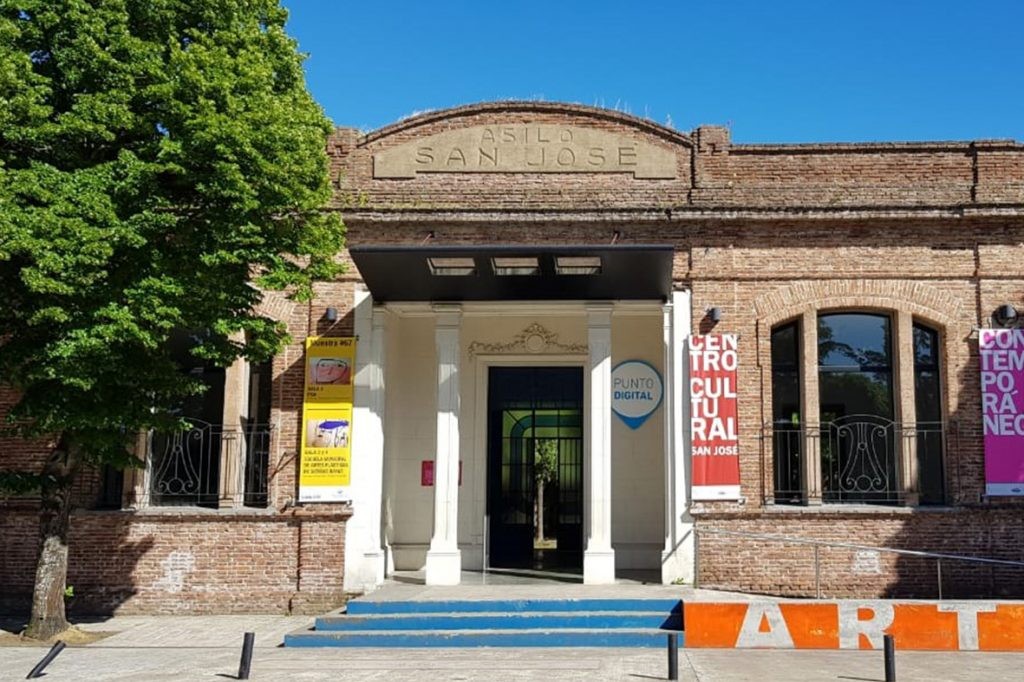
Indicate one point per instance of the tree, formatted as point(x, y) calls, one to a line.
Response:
point(161, 161)
point(545, 470)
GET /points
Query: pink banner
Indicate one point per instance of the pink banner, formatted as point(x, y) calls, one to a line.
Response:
point(1002, 409)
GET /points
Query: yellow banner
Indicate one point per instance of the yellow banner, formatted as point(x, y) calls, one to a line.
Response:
point(325, 464)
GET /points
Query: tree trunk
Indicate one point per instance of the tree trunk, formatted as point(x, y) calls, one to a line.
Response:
point(540, 510)
point(48, 614)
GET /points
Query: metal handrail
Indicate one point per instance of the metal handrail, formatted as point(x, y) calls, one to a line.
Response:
point(846, 545)
point(817, 544)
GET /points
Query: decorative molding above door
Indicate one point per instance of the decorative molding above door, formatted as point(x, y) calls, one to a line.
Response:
point(534, 339)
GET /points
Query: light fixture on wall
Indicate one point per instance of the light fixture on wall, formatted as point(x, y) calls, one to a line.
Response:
point(714, 314)
point(1005, 315)
point(331, 314)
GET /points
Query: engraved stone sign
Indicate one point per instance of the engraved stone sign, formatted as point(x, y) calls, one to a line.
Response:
point(525, 148)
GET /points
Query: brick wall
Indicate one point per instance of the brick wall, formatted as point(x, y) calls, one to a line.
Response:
point(713, 173)
point(761, 231)
point(284, 559)
point(186, 561)
point(765, 232)
point(289, 380)
point(788, 568)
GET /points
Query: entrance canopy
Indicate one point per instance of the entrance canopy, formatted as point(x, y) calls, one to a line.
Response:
point(516, 273)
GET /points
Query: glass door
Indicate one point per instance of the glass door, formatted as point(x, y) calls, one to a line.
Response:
point(535, 467)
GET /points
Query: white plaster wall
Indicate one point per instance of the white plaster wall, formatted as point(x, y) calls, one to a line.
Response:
point(410, 437)
point(411, 421)
point(570, 328)
point(638, 456)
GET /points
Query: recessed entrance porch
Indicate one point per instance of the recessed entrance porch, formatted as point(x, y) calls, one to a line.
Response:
point(481, 393)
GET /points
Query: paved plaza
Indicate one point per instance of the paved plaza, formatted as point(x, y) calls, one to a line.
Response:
point(208, 648)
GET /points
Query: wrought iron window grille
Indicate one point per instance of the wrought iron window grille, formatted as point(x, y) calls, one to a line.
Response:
point(859, 457)
point(185, 465)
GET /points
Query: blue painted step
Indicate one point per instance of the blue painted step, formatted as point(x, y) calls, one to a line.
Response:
point(485, 638)
point(500, 623)
point(361, 607)
point(522, 620)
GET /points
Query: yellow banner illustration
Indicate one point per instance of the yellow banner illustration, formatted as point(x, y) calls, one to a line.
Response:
point(325, 465)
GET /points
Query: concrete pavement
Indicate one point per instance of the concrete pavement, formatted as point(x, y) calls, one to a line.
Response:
point(208, 648)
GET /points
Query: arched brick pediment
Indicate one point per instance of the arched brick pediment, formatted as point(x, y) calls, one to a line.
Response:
point(468, 114)
point(527, 138)
point(918, 298)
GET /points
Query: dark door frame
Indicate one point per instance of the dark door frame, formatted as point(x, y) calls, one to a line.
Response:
point(491, 486)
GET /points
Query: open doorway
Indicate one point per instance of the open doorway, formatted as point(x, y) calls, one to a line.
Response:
point(535, 468)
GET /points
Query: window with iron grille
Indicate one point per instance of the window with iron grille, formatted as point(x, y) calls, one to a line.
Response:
point(211, 462)
point(854, 445)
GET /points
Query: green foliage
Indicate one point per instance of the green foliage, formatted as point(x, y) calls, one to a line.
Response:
point(19, 483)
point(158, 158)
point(545, 459)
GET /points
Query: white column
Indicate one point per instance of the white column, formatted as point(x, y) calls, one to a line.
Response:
point(677, 559)
point(599, 557)
point(364, 557)
point(444, 561)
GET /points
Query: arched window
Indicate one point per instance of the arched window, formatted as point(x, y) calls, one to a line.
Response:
point(858, 429)
point(860, 439)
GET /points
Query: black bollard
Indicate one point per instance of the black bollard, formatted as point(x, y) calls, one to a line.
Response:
point(890, 659)
point(673, 656)
point(47, 659)
point(246, 663)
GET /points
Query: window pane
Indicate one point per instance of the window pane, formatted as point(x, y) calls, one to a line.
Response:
point(257, 435)
point(854, 341)
point(928, 405)
point(926, 395)
point(185, 465)
point(505, 265)
point(929, 438)
point(786, 428)
point(455, 267)
point(926, 352)
point(785, 354)
point(578, 265)
point(855, 384)
point(843, 394)
point(786, 398)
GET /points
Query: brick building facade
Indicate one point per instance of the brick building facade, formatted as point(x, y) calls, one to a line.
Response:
point(800, 250)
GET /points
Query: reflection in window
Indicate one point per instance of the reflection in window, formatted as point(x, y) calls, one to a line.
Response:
point(859, 439)
point(185, 465)
point(858, 454)
point(786, 435)
point(928, 404)
point(855, 365)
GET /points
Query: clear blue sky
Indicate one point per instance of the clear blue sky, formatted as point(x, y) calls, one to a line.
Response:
point(772, 70)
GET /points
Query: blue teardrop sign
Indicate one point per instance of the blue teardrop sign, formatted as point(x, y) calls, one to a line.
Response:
point(637, 391)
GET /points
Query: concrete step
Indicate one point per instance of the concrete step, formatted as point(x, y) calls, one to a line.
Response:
point(370, 606)
point(566, 637)
point(513, 620)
